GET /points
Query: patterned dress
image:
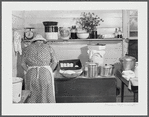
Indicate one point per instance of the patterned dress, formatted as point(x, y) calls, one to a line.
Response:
point(38, 78)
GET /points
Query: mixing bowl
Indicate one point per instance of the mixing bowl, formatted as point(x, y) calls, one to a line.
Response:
point(82, 35)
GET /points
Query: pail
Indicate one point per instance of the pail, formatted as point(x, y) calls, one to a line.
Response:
point(17, 89)
point(92, 70)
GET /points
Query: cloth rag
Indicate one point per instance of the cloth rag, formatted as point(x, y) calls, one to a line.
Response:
point(132, 82)
point(128, 74)
point(17, 42)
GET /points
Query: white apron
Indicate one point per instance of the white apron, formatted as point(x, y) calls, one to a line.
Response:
point(37, 76)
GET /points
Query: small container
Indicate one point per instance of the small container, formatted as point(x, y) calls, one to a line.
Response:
point(92, 70)
point(93, 34)
point(64, 32)
point(73, 32)
point(119, 33)
point(51, 30)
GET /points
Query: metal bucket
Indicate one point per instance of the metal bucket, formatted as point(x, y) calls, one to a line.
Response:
point(92, 70)
point(17, 89)
point(128, 63)
point(107, 70)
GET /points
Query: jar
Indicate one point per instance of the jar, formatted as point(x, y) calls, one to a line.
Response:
point(51, 30)
point(64, 33)
point(93, 34)
point(73, 32)
point(119, 33)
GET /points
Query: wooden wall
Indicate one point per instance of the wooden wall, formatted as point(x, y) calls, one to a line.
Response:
point(112, 19)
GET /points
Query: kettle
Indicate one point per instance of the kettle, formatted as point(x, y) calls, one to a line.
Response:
point(128, 62)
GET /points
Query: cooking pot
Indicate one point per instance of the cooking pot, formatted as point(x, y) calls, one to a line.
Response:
point(128, 63)
point(107, 70)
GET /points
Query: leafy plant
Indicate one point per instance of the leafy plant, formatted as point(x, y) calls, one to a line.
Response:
point(89, 21)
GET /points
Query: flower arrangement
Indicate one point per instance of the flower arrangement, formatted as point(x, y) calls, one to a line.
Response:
point(89, 21)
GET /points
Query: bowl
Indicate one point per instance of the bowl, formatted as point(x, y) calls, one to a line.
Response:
point(71, 73)
point(82, 35)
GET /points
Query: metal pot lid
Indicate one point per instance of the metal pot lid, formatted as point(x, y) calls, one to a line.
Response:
point(108, 66)
point(92, 64)
point(128, 58)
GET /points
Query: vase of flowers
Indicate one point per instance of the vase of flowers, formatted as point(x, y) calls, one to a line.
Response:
point(89, 22)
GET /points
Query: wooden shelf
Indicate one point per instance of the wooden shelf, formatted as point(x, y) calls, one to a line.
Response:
point(71, 40)
point(133, 38)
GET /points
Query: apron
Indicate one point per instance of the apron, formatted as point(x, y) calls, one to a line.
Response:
point(37, 75)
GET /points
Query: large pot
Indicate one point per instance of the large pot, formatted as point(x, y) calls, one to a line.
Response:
point(107, 70)
point(128, 63)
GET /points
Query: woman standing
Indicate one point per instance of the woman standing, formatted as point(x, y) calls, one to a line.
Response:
point(39, 61)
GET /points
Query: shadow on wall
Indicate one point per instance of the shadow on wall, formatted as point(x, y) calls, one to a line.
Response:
point(84, 55)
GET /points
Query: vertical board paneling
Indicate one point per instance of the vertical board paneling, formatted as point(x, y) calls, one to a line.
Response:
point(112, 19)
point(75, 51)
point(17, 22)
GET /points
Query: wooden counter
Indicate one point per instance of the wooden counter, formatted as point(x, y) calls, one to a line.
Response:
point(81, 90)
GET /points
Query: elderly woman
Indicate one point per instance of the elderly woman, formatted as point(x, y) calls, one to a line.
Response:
point(39, 61)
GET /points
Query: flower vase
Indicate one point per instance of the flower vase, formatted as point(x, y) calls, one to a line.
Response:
point(93, 33)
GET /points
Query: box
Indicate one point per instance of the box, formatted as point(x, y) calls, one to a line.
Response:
point(74, 64)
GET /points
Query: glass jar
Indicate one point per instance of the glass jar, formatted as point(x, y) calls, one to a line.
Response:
point(93, 34)
point(73, 32)
point(64, 32)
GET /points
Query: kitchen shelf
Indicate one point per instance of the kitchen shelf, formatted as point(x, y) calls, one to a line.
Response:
point(71, 40)
point(78, 40)
point(81, 41)
point(135, 38)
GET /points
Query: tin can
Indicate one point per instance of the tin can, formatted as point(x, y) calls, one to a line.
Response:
point(92, 70)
